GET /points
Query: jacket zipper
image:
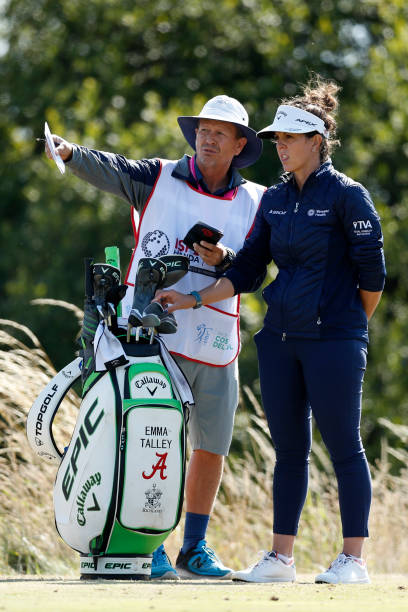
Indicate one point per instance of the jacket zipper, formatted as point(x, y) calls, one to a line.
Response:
point(297, 204)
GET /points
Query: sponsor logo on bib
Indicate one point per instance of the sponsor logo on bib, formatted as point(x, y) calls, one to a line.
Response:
point(202, 333)
point(222, 343)
point(155, 244)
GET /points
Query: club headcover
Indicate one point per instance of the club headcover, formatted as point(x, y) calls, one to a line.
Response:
point(177, 267)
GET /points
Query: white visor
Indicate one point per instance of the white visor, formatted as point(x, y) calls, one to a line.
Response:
point(294, 120)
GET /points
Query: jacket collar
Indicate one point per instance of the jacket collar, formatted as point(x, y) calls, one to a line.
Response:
point(182, 172)
point(327, 166)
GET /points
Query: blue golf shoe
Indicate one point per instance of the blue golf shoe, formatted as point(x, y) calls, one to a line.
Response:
point(201, 562)
point(162, 569)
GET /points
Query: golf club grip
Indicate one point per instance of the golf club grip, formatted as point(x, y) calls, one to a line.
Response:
point(112, 256)
point(88, 261)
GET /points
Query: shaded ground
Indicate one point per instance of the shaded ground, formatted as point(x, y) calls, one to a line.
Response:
point(66, 594)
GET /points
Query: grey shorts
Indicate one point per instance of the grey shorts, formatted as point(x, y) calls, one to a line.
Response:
point(215, 392)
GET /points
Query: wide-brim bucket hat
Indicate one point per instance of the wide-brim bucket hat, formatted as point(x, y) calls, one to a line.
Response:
point(224, 108)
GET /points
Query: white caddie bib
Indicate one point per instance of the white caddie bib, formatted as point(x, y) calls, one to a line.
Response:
point(210, 334)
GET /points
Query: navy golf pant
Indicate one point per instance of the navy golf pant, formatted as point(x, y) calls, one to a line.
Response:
point(324, 377)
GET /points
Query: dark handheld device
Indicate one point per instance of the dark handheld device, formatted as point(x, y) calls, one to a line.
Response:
point(202, 231)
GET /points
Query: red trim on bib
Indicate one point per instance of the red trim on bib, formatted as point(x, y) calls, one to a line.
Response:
point(213, 365)
point(136, 230)
point(210, 195)
point(253, 222)
point(230, 314)
point(228, 195)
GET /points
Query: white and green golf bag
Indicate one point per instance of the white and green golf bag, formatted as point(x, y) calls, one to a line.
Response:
point(119, 487)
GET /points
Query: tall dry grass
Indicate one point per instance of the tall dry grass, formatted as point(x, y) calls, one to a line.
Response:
point(28, 540)
point(242, 518)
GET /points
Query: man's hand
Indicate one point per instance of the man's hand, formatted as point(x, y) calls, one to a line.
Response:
point(62, 147)
point(211, 254)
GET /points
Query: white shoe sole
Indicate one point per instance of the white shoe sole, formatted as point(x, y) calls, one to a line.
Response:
point(261, 580)
point(167, 576)
point(362, 581)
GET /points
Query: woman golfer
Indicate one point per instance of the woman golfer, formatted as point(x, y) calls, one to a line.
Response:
point(322, 232)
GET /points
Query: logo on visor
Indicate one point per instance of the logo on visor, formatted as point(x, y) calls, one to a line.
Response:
point(280, 115)
point(305, 121)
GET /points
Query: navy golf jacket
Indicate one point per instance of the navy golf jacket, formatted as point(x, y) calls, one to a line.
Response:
point(326, 242)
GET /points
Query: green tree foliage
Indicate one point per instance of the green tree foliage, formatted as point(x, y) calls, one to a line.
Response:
point(115, 75)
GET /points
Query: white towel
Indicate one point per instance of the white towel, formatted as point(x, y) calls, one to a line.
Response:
point(176, 374)
point(108, 350)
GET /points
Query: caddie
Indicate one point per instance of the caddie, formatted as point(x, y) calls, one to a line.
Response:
point(168, 198)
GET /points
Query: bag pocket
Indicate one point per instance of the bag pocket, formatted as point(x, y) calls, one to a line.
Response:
point(151, 482)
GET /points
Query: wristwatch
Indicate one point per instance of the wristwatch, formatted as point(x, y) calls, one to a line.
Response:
point(199, 301)
point(227, 261)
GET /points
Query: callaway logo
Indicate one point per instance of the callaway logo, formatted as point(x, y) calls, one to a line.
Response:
point(47, 455)
point(145, 380)
point(112, 271)
point(68, 374)
point(280, 115)
point(152, 392)
point(91, 481)
point(96, 506)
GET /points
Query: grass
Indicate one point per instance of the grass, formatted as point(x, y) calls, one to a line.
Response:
point(241, 524)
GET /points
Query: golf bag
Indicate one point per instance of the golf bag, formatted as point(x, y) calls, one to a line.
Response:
point(119, 487)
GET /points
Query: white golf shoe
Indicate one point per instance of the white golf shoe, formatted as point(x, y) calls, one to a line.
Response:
point(345, 570)
point(269, 569)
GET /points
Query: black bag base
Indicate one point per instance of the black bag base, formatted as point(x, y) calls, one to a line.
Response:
point(89, 577)
point(116, 567)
